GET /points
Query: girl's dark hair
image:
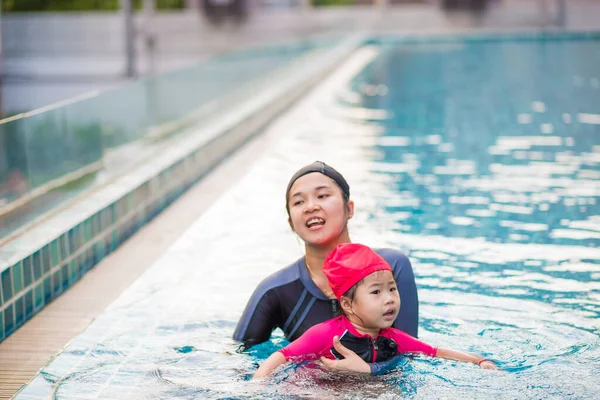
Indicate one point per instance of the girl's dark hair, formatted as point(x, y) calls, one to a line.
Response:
point(350, 293)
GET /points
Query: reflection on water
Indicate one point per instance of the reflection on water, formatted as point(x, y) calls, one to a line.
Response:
point(462, 156)
point(493, 136)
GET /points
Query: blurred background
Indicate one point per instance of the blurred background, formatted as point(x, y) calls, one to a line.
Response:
point(112, 109)
point(56, 49)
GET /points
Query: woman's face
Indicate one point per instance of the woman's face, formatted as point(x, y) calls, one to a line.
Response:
point(317, 210)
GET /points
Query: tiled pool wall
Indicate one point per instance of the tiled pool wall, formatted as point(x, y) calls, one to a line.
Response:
point(28, 284)
point(31, 283)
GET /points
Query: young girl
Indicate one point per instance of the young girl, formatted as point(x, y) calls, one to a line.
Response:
point(365, 287)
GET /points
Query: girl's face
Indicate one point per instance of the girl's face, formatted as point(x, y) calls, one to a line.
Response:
point(376, 302)
point(317, 211)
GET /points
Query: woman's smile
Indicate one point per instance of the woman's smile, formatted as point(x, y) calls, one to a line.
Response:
point(315, 223)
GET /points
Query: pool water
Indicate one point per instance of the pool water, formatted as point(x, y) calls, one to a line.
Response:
point(479, 159)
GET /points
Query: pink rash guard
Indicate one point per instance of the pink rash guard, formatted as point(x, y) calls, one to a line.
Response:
point(318, 342)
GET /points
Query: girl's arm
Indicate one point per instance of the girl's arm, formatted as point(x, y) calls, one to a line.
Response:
point(456, 355)
point(274, 361)
point(309, 346)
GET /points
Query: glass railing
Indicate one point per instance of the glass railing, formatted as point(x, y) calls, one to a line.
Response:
point(57, 152)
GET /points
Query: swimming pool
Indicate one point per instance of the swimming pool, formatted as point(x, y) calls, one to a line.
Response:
point(478, 158)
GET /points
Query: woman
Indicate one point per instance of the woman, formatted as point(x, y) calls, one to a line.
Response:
point(298, 297)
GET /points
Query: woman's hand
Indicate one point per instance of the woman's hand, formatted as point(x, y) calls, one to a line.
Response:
point(351, 362)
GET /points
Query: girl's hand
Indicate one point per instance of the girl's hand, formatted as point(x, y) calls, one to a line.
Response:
point(351, 362)
point(487, 364)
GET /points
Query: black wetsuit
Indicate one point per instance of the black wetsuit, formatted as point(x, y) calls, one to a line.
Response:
point(290, 300)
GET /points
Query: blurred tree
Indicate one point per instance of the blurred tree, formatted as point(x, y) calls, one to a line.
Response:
point(333, 2)
point(170, 4)
point(81, 5)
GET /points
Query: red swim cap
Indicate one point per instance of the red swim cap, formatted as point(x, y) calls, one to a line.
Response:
point(348, 263)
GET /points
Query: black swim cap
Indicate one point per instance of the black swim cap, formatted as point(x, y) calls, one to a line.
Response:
point(321, 167)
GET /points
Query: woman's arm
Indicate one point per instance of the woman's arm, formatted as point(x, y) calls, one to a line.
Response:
point(259, 318)
point(274, 361)
point(456, 355)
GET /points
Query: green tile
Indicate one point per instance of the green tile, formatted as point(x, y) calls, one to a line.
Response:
point(81, 264)
point(102, 220)
point(19, 312)
point(86, 230)
point(27, 271)
point(73, 272)
point(47, 289)
point(64, 245)
point(91, 257)
point(122, 207)
point(39, 296)
point(101, 224)
point(111, 214)
point(92, 226)
point(6, 286)
point(73, 243)
point(29, 305)
point(56, 283)
point(37, 265)
point(117, 212)
point(1, 326)
point(107, 244)
point(65, 277)
point(95, 224)
point(46, 261)
point(108, 217)
point(54, 252)
point(17, 277)
point(99, 250)
point(9, 319)
point(79, 236)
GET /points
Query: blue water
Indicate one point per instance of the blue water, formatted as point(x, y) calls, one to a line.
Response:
point(480, 160)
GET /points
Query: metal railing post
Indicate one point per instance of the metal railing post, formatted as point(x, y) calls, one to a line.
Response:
point(127, 7)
